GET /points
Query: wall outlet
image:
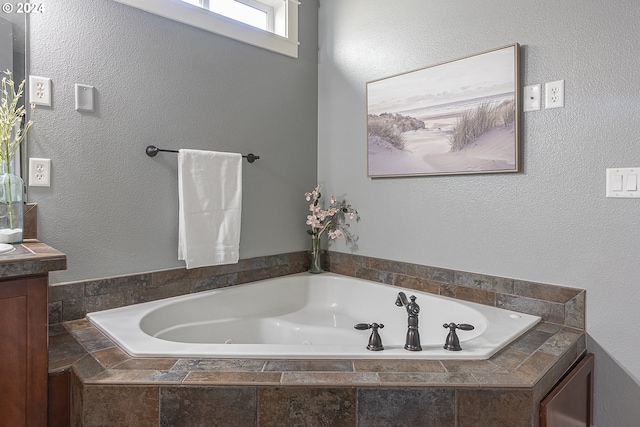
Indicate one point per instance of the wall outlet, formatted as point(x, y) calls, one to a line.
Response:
point(40, 91)
point(39, 172)
point(554, 94)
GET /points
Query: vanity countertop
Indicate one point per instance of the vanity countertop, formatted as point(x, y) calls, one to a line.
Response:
point(31, 257)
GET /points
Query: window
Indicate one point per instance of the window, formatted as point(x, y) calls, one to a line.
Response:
point(269, 24)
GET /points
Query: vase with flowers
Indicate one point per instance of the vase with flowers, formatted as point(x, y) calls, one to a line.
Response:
point(13, 130)
point(333, 220)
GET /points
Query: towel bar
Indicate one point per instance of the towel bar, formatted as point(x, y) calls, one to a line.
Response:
point(152, 150)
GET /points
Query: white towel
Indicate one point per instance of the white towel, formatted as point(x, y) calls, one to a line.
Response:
point(210, 204)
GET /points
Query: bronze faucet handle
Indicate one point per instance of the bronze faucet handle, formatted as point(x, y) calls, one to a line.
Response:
point(365, 326)
point(453, 343)
point(375, 343)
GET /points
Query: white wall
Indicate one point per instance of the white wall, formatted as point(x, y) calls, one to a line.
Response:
point(112, 209)
point(551, 223)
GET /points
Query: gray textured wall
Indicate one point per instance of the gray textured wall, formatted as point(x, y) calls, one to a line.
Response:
point(551, 223)
point(112, 209)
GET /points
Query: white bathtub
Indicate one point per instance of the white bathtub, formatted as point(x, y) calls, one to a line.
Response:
point(305, 316)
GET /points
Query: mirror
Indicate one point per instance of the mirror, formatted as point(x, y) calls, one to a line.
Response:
point(13, 28)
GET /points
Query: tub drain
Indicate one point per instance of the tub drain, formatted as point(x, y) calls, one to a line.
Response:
point(307, 343)
point(229, 341)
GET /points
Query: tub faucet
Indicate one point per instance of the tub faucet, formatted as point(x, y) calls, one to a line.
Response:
point(413, 337)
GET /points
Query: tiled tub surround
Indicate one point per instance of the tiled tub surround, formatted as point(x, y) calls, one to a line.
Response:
point(72, 301)
point(109, 387)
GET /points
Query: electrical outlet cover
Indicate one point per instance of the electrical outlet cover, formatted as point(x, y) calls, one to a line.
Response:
point(39, 172)
point(40, 90)
point(554, 94)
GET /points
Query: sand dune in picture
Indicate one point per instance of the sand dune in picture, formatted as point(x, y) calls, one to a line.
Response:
point(428, 151)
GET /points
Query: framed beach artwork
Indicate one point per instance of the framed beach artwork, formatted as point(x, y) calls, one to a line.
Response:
point(458, 117)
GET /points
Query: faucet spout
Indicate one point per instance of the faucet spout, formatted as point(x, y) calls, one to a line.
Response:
point(402, 300)
point(413, 336)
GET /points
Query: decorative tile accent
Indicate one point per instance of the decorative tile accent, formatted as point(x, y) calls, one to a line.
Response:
point(87, 367)
point(560, 342)
point(331, 407)
point(64, 351)
point(549, 311)
point(392, 407)
point(233, 378)
point(124, 406)
point(210, 406)
point(402, 365)
point(214, 282)
point(417, 283)
point(499, 380)
point(137, 376)
point(309, 365)
point(111, 357)
point(510, 358)
point(219, 365)
point(487, 283)
point(159, 364)
point(473, 367)
point(112, 285)
point(330, 378)
point(475, 295)
point(575, 311)
point(426, 379)
point(494, 408)
point(545, 292)
point(92, 339)
point(375, 275)
point(535, 366)
point(531, 341)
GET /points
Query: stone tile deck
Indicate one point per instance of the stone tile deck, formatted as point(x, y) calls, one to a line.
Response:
point(457, 392)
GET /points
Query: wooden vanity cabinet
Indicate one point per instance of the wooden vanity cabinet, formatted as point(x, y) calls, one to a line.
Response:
point(23, 351)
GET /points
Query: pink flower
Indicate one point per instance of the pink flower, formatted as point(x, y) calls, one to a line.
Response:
point(331, 219)
point(335, 234)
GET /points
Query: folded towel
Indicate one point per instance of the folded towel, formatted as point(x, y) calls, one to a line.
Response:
point(210, 204)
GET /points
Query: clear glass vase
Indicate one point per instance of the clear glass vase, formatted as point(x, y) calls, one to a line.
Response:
point(11, 208)
point(315, 256)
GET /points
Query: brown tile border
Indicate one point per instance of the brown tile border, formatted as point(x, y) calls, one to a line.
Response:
point(73, 300)
point(557, 304)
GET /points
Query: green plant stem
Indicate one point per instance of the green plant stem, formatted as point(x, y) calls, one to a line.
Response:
point(7, 167)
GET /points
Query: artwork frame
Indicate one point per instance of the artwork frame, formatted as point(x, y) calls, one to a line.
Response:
point(457, 117)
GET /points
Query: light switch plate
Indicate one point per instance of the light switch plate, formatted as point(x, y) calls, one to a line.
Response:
point(621, 183)
point(84, 98)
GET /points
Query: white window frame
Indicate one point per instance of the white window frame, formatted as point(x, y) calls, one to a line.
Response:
point(283, 39)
